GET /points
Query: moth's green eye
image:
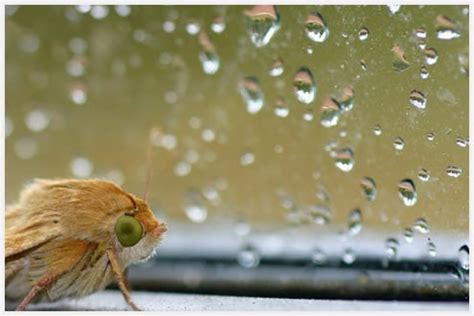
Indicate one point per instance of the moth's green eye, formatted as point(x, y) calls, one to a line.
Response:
point(129, 231)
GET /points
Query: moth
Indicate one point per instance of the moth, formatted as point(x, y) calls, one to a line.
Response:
point(70, 238)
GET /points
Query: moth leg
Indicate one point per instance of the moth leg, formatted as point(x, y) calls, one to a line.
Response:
point(38, 287)
point(116, 269)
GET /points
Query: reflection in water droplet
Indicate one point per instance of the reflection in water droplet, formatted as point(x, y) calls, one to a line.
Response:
point(318, 257)
point(208, 57)
point(316, 28)
point(276, 68)
point(37, 120)
point(463, 256)
point(421, 225)
point(330, 112)
point(81, 167)
point(407, 192)
point(252, 94)
point(348, 256)
point(446, 29)
point(391, 246)
point(347, 100)
point(304, 85)
point(344, 159)
point(247, 158)
point(400, 62)
point(281, 107)
point(194, 206)
point(363, 34)
point(218, 25)
point(263, 21)
point(417, 99)
point(453, 171)
point(377, 130)
point(398, 143)
point(369, 188)
point(424, 74)
point(26, 148)
point(420, 32)
point(424, 175)
point(354, 222)
point(248, 256)
point(408, 234)
point(431, 56)
point(431, 248)
point(308, 115)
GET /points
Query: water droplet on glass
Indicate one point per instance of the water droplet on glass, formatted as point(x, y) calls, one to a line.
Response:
point(76, 66)
point(182, 168)
point(208, 57)
point(349, 256)
point(364, 65)
point(281, 107)
point(99, 12)
point(247, 158)
point(330, 112)
point(431, 248)
point(400, 62)
point(344, 159)
point(424, 175)
point(420, 33)
point(430, 137)
point(453, 171)
point(304, 85)
point(318, 257)
point(309, 50)
point(461, 142)
point(391, 246)
point(407, 192)
point(81, 167)
point(398, 143)
point(194, 206)
point(78, 94)
point(248, 257)
point(193, 27)
point(276, 68)
point(408, 234)
point(446, 29)
point(26, 148)
point(123, 10)
point(37, 120)
point(252, 94)
point(463, 256)
point(424, 74)
point(377, 130)
point(369, 188)
point(355, 222)
point(78, 45)
point(393, 8)
point(308, 115)
point(208, 135)
point(421, 226)
point(169, 26)
point(347, 100)
point(218, 25)
point(417, 99)
point(431, 56)
point(320, 214)
point(363, 34)
point(263, 21)
point(316, 28)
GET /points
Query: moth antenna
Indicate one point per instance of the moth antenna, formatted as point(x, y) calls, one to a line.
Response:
point(155, 134)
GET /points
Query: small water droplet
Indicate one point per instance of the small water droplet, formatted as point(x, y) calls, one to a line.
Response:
point(369, 189)
point(400, 62)
point(277, 67)
point(82, 167)
point(263, 21)
point(123, 10)
point(193, 27)
point(194, 206)
point(421, 44)
point(424, 74)
point(398, 143)
point(421, 33)
point(344, 159)
point(453, 171)
point(354, 222)
point(316, 28)
point(208, 57)
point(393, 8)
point(430, 136)
point(330, 112)
point(208, 135)
point(37, 120)
point(252, 94)
point(446, 29)
point(431, 248)
point(349, 256)
point(391, 246)
point(346, 102)
point(421, 225)
point(78, 94)
point(417, 99)
point(424, 175)
point(377, 130)
point(99, 12)
point(431, 56)
point(248, 256)
point(26, 148)
point(363, 34)
point(407, 192)
point(318, 257)
point(304, 85)
point(218, 25)
point(408, 234)
point(169, 26)
point(182, 168)
point(461, 142)
point(281, 107)
point(463, 256)
point(364, 65)
point(247, 158)
point(320, 214)
point(308, 115)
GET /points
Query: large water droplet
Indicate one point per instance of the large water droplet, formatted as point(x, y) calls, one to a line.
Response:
point(446, 29)
point(330, 112)
point(248, 256)
point(407, 192)
point(421, 225)
point(363, 34)
point(252, 94)
point(463, 256)
point(417, 99)
point(194, 206)
point(304, 85)
point(263, 21)
point(431, 56)
point(369, 188)
point(453, 171)
point(400, 62)
point(344, 159)
point(316, 28)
